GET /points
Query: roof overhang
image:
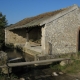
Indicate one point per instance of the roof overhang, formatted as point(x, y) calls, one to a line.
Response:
point(43, 21)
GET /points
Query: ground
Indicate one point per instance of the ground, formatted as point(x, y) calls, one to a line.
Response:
point(70, 72)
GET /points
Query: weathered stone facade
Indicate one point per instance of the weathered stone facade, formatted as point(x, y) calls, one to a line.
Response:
point(15, 36)
point(62, 33)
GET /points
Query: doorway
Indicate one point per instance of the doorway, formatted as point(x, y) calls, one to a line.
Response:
point(79, 41)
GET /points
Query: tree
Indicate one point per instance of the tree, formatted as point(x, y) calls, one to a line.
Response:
point(3, 24)
point(3, 21)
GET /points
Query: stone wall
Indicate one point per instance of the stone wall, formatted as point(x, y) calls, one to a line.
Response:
point(17, 36)
point(62, 33)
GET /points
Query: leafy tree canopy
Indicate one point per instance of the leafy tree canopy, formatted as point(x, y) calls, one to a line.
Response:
point(3, 24)
point(3, 21)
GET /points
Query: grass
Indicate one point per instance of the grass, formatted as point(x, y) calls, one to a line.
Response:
point(73, 67)
point(13, 77)
point(2, 77)
point(5, 77)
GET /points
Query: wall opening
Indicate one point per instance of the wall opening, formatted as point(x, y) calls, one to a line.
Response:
point(18, 36)
point(79, 41)
point(35, 35)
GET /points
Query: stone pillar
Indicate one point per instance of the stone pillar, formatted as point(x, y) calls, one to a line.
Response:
point(43, 40)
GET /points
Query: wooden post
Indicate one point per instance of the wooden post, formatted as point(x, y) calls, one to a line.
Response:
point(27, 35)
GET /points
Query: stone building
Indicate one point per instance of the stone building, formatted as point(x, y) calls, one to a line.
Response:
point(56, 32)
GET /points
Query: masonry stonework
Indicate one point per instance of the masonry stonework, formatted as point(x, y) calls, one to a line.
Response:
point(62, 33)
point(15, 37)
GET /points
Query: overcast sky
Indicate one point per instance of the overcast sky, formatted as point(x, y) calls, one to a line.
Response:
point(16, 10)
